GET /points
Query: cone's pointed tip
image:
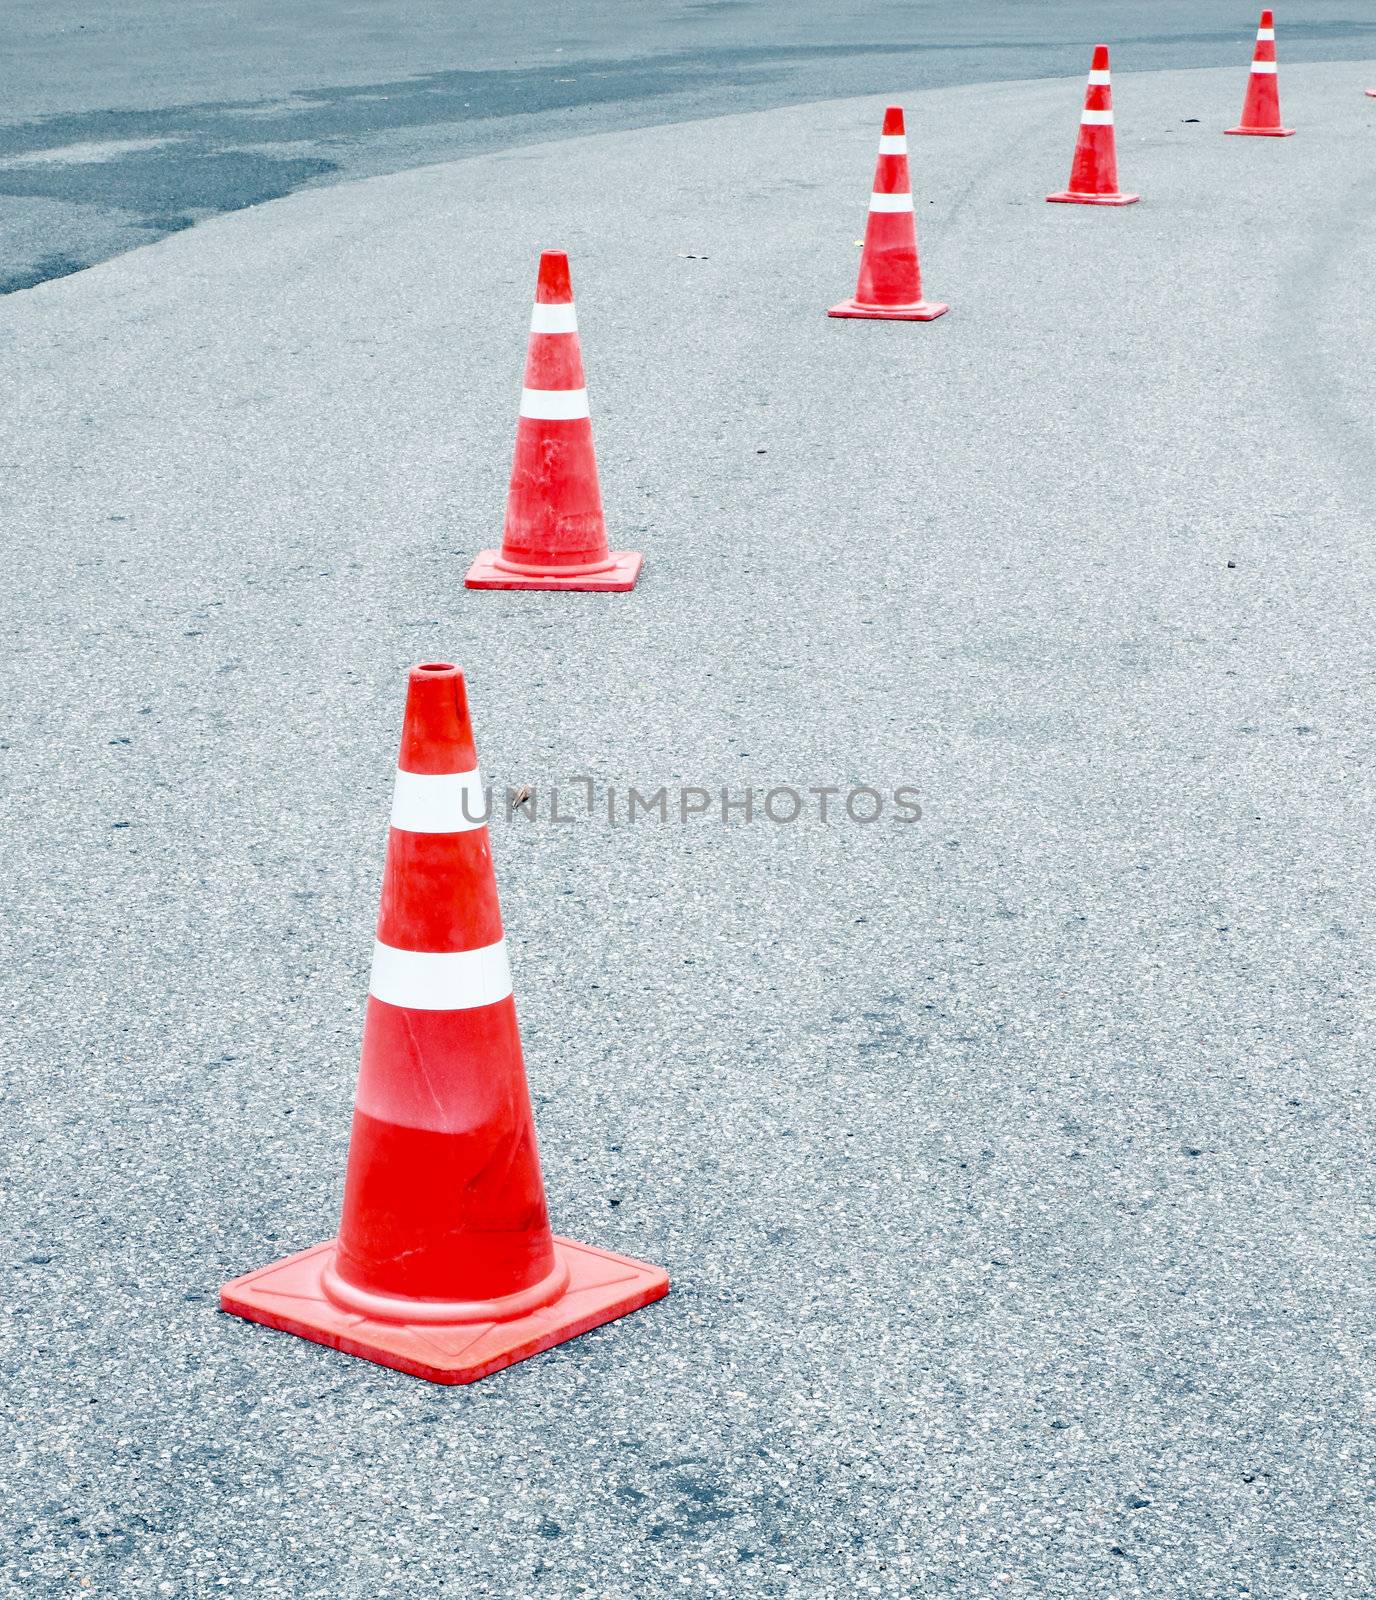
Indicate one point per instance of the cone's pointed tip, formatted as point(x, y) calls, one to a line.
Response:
point(1268, 19)
point(1100, 61)
point(555, 285)
point(436, 734)
point(893, 119)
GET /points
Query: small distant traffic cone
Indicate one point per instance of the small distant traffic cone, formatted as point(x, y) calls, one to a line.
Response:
point(555, 535)
point(1094, 171)
point(890, 284)
point(1261, 109)
point(444, 1266)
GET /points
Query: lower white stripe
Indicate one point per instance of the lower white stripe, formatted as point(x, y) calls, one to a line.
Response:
point(1096, 119)
point(893, 144)
point(554, 405)
point(891, 202)
point(1099, 78)
point(1263, 66)
point(444, 802)
point(553, 319)
point(1266, 33)
point(456, 980)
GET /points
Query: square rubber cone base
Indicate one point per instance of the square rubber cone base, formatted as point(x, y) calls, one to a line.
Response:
point(289, 1296)
point(1068, 197)
point(615, 579)
point(1262, 133)
point(918, 311)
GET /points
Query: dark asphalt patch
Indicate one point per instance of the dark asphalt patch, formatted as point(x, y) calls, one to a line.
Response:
point(214, 156)
point(153, 183)
point(42, 271)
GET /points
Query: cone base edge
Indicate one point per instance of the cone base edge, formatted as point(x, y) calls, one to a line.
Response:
point(287, 1296)
point(1262, 133)
point(618, 578)
point(916, 311)
point(1068, 197)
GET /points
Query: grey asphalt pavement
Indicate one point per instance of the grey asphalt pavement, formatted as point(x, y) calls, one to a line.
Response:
point(1013, 1169)
point(127, 120)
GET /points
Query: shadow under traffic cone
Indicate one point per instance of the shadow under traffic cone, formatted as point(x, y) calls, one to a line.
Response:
point(890, 283)
point(555, 535)
point(1261, 108)
point(1094, 170)
point(444, 1265)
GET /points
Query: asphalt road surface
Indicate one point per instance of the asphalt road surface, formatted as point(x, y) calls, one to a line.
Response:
point(1013, 1169)
point(128, 121)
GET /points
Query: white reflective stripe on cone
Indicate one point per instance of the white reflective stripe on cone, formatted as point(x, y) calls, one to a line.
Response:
point(454, 980)
point(893, 144)
point(554, 405)
point(1097, 119)
point(442, 802)
point(553, 319)
point(891, 202)
point(1099, 78)
point(1263, 66)
point(1266, 33)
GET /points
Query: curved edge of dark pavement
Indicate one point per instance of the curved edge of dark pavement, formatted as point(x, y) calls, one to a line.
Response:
point(83, 184)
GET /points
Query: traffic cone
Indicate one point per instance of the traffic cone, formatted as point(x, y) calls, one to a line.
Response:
point(555, 535)
point(444, 1266)
point(1094, 171)
point(1261, 109)
point(890, 285)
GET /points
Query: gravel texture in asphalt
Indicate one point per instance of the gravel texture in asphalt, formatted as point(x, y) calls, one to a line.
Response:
point(1013, 1167)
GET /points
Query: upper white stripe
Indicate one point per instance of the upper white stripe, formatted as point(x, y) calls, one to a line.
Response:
point(891, 202)
point(1099, 77)
point(1263, 66)
point(1096, 119)
point(553, 319)
point(455, 980)
point(554, 405)
point(893, 144)
point(444, 802)
point(1266, 33)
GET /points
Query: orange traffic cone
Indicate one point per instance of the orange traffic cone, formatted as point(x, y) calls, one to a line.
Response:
point(1094, 171)
point(555, 535)
point(890, 285)
point(445, 1265)
point(1261, 109)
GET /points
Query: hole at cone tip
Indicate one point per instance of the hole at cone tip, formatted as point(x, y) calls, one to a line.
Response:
point(436, 666)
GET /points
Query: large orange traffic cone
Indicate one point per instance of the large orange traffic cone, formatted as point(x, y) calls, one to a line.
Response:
point(444, 1266)
point(555, 535)
point(1261, 108)
point(890, 284)
point(1094, 171)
